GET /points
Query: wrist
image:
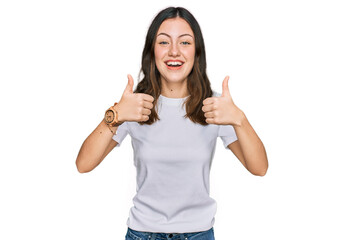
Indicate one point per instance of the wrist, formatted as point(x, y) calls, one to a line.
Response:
point(113, 129)
point(111, 117)
point(240, 119)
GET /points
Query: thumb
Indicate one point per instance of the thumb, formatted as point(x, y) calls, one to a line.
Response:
point(129, 87)
point(225, 87)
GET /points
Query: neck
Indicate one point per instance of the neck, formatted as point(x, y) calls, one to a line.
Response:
point(174, 90)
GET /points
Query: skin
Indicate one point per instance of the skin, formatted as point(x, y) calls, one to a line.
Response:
point(249, 149)
point(174, 41)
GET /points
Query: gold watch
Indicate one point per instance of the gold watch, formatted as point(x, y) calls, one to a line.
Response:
point(111, 117)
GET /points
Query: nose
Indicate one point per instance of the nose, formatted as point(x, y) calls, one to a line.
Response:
point(173, 51)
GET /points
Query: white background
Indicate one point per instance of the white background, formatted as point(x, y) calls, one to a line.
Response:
point(294, 68)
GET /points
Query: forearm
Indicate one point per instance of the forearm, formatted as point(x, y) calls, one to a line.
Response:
point(252, 147)
point(93, 148)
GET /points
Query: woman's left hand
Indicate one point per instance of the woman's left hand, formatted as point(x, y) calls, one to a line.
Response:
point(222, 110)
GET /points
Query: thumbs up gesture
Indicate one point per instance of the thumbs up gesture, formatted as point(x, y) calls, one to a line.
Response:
point(134, 106)
point(222, 110)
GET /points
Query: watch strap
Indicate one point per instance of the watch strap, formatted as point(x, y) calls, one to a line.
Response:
point(115, 119)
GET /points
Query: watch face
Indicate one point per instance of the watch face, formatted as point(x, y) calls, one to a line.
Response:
point(109, 116)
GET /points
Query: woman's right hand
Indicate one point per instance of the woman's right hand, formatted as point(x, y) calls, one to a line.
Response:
point(134, 107)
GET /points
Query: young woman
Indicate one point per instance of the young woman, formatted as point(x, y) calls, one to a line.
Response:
point(174, 119)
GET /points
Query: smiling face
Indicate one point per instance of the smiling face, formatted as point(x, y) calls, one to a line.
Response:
point(174, 50)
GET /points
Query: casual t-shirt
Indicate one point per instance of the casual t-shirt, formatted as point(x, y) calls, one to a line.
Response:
point(173, 157)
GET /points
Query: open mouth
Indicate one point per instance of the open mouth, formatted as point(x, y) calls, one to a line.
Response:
point(174, 64)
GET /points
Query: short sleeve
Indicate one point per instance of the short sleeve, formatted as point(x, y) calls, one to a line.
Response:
point(121, 133)
point(227, 135)
point(226, 132)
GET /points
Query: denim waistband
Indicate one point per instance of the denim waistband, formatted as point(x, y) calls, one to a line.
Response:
point(164, 236)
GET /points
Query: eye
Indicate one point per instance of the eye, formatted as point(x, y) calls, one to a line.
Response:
point(163, 42)
point(185, 43)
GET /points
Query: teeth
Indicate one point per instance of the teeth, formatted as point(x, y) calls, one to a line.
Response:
point(174, 63)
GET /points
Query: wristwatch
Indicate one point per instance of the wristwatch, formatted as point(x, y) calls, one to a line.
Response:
point(111, 117)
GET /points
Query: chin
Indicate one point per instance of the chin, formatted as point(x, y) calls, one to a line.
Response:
point(169, 78)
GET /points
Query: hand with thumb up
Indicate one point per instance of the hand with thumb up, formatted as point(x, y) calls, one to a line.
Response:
point(134, 107)
point(222, 110)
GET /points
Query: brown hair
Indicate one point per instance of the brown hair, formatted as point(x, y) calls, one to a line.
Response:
point(198, 83)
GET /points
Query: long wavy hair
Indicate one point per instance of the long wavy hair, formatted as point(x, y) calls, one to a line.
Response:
point(198, 83)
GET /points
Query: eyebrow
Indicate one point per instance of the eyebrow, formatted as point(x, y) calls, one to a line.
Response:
point(182, 35)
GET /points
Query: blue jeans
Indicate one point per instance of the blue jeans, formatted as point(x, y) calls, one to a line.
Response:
point(136, 235)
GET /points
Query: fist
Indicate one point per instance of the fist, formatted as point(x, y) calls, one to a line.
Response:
point(222, 110)
point(134, 107)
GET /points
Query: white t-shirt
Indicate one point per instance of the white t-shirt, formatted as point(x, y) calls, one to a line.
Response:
point(173, 157)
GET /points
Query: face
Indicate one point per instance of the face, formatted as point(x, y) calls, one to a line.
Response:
point(174, 50)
